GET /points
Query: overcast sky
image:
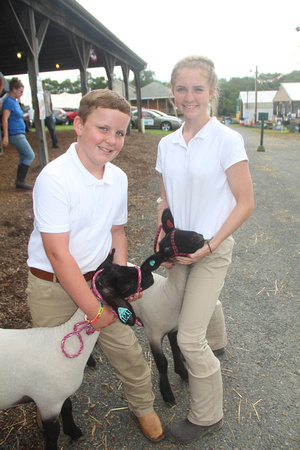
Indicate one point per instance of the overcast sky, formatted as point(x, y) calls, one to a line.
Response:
point(236, 35)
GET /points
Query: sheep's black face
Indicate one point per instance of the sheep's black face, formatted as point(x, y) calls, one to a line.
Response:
point(115, 283)
point(185, 242)
point(188, 241)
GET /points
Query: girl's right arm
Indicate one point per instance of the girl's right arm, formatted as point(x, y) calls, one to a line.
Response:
point(5, 117)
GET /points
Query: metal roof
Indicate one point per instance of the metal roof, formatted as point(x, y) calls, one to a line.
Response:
point(67, 21)
point(262, 96)
point(292, 90)
point(153, 90)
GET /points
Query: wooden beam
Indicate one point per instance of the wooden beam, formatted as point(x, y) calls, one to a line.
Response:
point(138, 98)
point(125, 71)
point(28, 24)
point(17, 25)
point(82, 50)
point(41, 34)
point(109, 65)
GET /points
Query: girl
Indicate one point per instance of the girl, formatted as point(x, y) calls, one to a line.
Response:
point(14, 131)
point(206, 183)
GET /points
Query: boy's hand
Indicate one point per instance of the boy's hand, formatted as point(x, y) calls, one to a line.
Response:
point(106, 318)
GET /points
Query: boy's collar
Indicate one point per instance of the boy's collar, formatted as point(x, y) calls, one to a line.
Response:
point(88, 177)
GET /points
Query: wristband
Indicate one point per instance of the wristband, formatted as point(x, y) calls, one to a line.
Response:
point(99, 313)
point(209, 247)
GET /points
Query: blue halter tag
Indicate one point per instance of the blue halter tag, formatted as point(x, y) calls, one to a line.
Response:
point(124, 314)
point(152, 262)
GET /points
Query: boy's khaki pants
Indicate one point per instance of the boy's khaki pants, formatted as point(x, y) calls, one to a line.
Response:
point(50, 306)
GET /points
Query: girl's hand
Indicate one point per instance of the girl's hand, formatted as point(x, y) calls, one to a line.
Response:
point(194, 257)
point(135, 297)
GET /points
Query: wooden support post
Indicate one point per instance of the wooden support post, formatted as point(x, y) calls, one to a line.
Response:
point(82, 50)
point(28, 22)
point(137, 79)
point(109, 64)
point(26, 27)
point(125, 71)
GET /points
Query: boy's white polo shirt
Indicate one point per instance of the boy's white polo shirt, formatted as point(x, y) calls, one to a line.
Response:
point(194, 177)
point(68, 198)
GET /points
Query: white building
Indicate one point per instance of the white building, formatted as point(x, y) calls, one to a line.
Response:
point(246, 105)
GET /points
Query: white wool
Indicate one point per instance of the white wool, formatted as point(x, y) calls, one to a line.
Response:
point(33, 365)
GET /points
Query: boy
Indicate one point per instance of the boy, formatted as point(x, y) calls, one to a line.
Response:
point(80, 206)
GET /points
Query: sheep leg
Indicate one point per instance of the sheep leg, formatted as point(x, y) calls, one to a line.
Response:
point(69, 425)
point(179, 366)
point(51, 432)
point(162, 367)
point(91, 362)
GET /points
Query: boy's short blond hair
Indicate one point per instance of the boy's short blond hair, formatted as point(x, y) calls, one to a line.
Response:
point(102, 98)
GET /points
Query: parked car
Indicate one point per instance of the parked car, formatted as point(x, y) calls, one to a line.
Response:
point(71, 114)
point(154, 120)
point(60, 117)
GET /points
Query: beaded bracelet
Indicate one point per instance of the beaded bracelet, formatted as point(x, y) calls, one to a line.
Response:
point(209, 247)
point(97, 316)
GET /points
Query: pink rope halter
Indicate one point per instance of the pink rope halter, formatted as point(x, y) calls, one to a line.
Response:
point(81, 326)
point(174, 246)
point(101, 299)
point(84, 326)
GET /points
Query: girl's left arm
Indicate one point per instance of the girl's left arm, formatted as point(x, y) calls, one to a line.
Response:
point(120, 257)
point(240, 184)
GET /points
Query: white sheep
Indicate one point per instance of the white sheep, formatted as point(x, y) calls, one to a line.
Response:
point(35, 368)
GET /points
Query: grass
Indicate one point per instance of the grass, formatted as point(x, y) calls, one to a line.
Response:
point(258, 130)
point(165, 133)
point(154, 132)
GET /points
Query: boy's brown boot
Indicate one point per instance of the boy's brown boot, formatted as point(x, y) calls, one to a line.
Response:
point(151, 427)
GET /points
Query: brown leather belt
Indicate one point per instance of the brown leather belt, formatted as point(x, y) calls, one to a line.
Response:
point(49, 276)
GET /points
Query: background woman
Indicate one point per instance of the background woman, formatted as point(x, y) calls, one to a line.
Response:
point(207, 185)
point(14, 131)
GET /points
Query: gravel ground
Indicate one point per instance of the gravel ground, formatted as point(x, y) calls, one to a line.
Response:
point(261, 302)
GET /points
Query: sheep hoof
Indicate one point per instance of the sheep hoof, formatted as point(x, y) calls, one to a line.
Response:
point(183, 373)
point(169, 398)
point(76, 434)
point(91, 362)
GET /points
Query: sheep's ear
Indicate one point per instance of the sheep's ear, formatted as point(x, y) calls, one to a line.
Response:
point(108, 260)
point(167, 221)
point(123, 309)
point(153, 262)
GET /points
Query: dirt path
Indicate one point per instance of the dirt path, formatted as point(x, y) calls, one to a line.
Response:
point(261, 302)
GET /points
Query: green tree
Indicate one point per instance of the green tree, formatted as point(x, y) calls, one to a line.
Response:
point(97, 83)
point(146, 76)
point(52, 86)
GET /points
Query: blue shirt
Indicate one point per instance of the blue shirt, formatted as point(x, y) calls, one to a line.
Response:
point(16, 124)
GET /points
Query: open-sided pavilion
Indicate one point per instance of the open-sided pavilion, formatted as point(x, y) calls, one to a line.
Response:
point(51, 35)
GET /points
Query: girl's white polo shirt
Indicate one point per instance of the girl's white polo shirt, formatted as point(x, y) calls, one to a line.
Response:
point(68, 198)
point(194, 176)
